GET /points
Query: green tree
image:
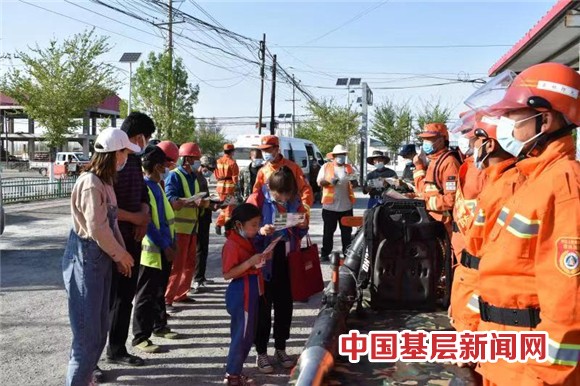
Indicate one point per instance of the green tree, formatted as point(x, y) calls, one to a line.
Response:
point(331, 125)
point(209, 137)
point(59, 82)
point(167, 96)
point(432, 112)
point(123, 108)
point(392, 124)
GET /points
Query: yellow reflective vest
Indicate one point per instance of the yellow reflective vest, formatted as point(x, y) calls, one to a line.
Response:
point(151, 253)
point(186, 219)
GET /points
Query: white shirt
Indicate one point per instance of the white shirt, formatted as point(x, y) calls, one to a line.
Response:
point(341, 201)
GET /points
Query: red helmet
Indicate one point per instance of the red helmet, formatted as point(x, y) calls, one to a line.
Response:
point(170, 149)
point(485, 126)
point(190, 149)
point(544, 87)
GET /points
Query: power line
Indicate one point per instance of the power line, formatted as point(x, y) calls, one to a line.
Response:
point(84, 22)
point(355, 18)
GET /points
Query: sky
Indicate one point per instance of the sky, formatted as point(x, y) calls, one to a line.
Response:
point(397, 44)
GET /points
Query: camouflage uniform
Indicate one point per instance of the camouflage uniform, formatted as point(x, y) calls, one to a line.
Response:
point(246, 182)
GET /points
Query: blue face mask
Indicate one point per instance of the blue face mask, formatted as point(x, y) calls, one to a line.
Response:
point(268, 157)
point(340, 159)
point(428, 148)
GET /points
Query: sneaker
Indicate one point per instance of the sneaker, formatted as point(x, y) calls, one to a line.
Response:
point(148, 347)
point(324, 259)
point(98, 376)
point(238, 380)
point(126, 360)
point(166, 333)
point(186, 299)
point(169, 309)
point(284, 359)
point(197, 287)
point(263, 364)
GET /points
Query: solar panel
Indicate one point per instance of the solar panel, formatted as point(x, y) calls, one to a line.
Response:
point(354, 81)
point(288, 116)
point(130, 57)
point(342, 81)
point(281, 115)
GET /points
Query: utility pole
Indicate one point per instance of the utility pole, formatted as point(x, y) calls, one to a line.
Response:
point(367, 100)
point(293, 100)
point(273, 101)
point(262, 56)
point(171, 87)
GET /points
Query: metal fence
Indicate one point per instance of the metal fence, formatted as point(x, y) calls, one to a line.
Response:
point(22, 189)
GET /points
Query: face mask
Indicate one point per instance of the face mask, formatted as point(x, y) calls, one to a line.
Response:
point(257, 162)
point(242, 233)
point(428, 148)
point(340, 159)
point(207, 174)
point(122, 166)
point(479, 163)
point(268, 157)
point(196, 165)
point(142, 144)
point(505, 129)
point(380, 165)
point(463, 144)
point(165, 174)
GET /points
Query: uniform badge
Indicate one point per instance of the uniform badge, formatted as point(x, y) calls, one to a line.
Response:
point(568, 255)
point(451, 184)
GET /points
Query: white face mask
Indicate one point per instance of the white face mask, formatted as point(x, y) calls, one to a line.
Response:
point(165, 174)
point(463, 144)
point(505, 129)
point(340, 159)
point(257, 162)
point(479, 163)
point(122, 166)
point(268, 157)
point(380, 165)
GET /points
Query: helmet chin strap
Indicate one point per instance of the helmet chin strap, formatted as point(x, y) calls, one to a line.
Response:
point(543, 139)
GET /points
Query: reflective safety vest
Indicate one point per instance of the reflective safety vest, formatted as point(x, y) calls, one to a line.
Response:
point(186, 219)
point(151, 253)
point(328, 191)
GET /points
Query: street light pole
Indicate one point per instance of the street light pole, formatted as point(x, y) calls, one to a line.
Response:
point(130, 87)
point(130, 57)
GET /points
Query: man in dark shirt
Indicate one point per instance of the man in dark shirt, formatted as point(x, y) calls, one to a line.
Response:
point(378, 159)
point(203, 173)
point(408, 152)
point(249, 173)
point(133, 217)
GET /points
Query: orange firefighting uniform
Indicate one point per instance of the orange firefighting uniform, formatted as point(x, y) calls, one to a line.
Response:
point(226, 174)
point(470, 182)
point(439, 201)
point(304, 188)
point(486, 212)
point(531, 262)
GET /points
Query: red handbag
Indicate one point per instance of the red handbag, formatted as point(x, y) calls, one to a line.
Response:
point(305, 271)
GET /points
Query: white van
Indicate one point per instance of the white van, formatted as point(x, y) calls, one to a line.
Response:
point(305, 153)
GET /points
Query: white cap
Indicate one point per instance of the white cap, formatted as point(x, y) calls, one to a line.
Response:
point(112, 139)
point(339, 149)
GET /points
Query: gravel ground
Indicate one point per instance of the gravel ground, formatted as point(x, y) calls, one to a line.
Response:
point(35, 334)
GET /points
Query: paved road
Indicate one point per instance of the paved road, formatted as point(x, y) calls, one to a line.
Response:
point(35, 334)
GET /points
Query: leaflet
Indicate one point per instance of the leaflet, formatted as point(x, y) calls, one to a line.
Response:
point(288, 220)
point(271, 246)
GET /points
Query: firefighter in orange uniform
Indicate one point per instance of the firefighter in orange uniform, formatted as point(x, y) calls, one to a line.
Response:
point(437, 182)
point(270, 146)
point(226, 174)
point(489, 157)
point(529, 273)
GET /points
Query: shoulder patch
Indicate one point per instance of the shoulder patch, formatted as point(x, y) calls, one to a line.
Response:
point(568, 255)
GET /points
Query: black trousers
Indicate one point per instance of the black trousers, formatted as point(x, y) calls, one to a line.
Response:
point(202, 246)
point(277, 295)
point(331, 219)
point(149, 314)
point(122, 294)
